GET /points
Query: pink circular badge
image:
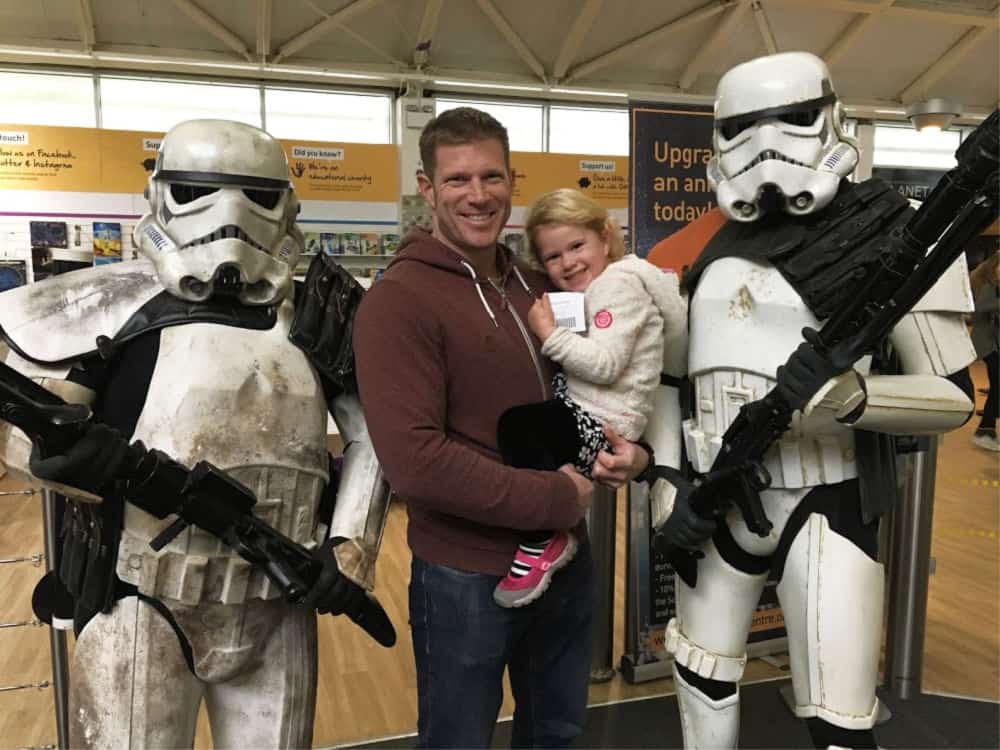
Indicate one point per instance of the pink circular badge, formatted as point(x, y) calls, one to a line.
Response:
point(603, 319)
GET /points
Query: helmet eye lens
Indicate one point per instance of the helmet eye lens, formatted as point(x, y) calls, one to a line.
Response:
point(802, 119)
point(186, 193)
point(265, 198)
point(732, 129)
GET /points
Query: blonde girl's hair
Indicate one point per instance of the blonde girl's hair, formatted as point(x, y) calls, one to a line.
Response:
point(570, 206)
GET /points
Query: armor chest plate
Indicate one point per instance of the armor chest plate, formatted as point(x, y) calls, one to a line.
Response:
point(745, 320)
point(745, 316)
point(249, 402)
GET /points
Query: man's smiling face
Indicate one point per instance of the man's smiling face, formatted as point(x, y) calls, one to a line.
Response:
point(470, 194)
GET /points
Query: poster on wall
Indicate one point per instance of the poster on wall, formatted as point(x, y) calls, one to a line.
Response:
point(107, 242)
point(363, 172)
point(603, 178)
point(13, 273)
point(670, 148)
point(910, 182)
point(48, 234)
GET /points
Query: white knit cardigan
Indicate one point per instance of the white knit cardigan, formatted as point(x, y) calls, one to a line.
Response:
point(613, 369)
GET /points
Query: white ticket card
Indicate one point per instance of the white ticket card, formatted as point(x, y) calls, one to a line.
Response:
point(568, 310)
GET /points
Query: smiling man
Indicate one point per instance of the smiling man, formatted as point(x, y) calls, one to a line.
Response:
point(442, 351)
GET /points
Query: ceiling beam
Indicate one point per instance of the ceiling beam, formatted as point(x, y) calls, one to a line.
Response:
point(916, 9)
point(631, 47)
point(760, 16)
point(263, 29)
point(324, 27)
point(577, 33)
point(709, 47)
point(853, 31)
point(921, 86)
point(512, 37)
point(85, 22)
point(425, 36)
point(213, 27)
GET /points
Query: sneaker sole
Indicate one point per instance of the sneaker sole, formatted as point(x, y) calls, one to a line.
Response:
point(558, 564)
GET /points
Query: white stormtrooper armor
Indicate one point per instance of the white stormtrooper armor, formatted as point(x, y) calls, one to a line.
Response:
point(243, 397)
point(778, 124)
point(745, 321)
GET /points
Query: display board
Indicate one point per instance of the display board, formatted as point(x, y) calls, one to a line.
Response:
point(72, 191)
point(603, 178)
point(670, 148)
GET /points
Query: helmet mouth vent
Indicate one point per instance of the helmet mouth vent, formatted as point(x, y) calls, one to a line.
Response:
point(230, 231)
point(767, 155)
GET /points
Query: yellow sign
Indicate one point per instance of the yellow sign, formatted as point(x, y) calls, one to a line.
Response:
point(604, 178)
point(344, 171)
point(46, 158)
point(127, 159)
point(92, 160)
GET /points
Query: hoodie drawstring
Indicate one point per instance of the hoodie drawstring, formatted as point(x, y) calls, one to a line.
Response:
point(479, 291)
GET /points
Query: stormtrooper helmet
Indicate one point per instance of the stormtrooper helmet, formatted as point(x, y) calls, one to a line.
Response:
point(778, 132)
point(222, 214)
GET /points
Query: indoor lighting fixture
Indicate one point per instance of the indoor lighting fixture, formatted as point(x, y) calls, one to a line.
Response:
point(482, 85)
point(933, 115)
point(588, 92)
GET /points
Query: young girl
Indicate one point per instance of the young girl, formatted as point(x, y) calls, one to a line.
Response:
point(610, 372)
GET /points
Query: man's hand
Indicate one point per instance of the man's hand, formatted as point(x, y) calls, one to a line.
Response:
point(541, 319)
point(584, 487)
point(623, 463)
point(333, 592)
point(90, 464)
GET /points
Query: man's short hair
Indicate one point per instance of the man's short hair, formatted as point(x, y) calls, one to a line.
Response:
point(455, 127)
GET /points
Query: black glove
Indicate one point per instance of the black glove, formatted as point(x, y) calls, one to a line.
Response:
point(684, 528)
point(806, 371)
point(90, 464)
point(333, 592)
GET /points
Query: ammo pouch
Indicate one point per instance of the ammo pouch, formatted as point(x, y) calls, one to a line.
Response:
point(90, 535)
point(323, 325)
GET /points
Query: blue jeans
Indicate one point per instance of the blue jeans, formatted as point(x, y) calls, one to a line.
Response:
point(462, 640)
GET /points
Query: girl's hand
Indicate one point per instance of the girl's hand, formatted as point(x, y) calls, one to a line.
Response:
point(541, 319)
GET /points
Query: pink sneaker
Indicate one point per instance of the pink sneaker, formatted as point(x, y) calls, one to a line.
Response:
point(530, 573)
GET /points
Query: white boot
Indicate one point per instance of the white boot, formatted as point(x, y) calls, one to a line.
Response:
point(707, 724)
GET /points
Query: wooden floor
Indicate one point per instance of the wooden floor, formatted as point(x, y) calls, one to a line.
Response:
point(366, 691)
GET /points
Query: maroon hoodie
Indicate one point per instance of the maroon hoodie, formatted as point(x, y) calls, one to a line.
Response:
point(441, 353)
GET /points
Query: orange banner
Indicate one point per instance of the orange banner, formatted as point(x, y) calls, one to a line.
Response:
point(92, 160)
point(344, 171)
point(604, 178)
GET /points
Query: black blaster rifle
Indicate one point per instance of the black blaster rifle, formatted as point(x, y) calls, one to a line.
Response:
point(963, 203)
point(204, 496)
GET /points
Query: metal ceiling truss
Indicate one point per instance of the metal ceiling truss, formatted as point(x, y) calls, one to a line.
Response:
point(85, 22)
point(512, 37)
point(709, 47)
point(324, 27)
point(697, 15)
point(920, 88)
point(263, 30)
point(425, 35)
point(215, 28)
point(574, 38)
point(917, 9)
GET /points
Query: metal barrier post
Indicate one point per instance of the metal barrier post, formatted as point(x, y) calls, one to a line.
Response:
point(602, 522)
point(909, 570)
point(57, 638)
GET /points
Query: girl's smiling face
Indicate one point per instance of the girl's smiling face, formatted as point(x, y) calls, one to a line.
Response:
point(573, 256)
